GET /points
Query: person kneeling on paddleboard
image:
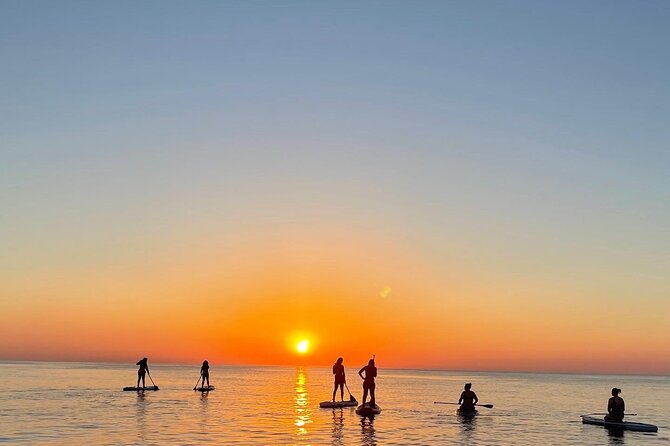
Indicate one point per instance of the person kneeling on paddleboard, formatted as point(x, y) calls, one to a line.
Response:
point(340, 380)
point(615, 407)
point(144, 368)
point(369, 381)
point(468, 399)
point(204, 372)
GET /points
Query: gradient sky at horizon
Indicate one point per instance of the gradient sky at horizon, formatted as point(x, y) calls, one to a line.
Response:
point(464, 185)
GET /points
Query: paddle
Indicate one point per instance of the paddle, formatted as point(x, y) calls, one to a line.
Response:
point(351, 397)
point(196, 384)
point(488, 406)
point(152, 380)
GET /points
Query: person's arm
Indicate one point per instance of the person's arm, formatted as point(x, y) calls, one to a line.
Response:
point(623, 406)
point(609, 405)
point(138, 362)
point(460, 400)
point(475, 395)
point(360, 373)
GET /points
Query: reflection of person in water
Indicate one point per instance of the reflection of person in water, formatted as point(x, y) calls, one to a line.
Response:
point(615, 407)
point(144, 368)
point(204, 372)
point(338, 371)
point(369, 381)
point(468, 399)
point(368, 432)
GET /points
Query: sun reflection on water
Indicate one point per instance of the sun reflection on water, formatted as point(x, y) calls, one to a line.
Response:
point(302, 411)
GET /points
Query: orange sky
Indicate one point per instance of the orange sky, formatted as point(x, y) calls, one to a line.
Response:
point(250, 298)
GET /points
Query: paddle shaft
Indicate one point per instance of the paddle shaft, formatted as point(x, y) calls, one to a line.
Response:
point(152, 380)
point(488, 406)
point(196, 384)
point(350, 395)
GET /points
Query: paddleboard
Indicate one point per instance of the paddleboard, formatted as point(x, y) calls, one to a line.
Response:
point(139, 389)
point(205, 389)
point(367, 410)
point(331, 404)
point(625, 425)
point(466, 413)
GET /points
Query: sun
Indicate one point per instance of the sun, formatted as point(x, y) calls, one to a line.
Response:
point(302, 346)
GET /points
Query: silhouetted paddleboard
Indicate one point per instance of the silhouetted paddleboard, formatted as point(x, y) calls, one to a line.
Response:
point(624, 425)
point(367, 410)
point(205, 389)
point(468, 413)
point(140, 389)
point(336, 404)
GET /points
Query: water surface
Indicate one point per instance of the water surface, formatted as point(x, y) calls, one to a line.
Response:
point(82, 403)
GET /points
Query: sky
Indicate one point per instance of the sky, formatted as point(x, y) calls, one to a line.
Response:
point(468, 185)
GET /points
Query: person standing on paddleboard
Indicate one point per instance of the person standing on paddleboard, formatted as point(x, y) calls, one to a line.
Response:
point(204, 372)
point(141, 372)
point(340, 380)
point(615, 407)
point(468, 399)
point(369, 381)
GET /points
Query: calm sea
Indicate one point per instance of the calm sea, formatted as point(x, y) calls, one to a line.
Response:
point(82, 403)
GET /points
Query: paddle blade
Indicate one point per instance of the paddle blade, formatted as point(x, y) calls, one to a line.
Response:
point(488, 406)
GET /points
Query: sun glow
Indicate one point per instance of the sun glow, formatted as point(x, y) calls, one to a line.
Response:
point(302, 346)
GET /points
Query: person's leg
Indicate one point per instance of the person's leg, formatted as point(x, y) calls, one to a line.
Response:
point(372, 395)
point(365, 393)
point(208, 385)
point(144, 377)
point(334, 391)
point(139, 376)
point(341, 391)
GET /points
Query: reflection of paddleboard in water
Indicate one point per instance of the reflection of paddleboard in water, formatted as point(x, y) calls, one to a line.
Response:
point(139, 389)
point(205, 389)
point(366, 409)
point(335, 404)
point(626, 425)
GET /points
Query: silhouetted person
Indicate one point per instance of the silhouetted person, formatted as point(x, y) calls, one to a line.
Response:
point(468, 399)
point(338, 371)
point(369, 381)
point(204, 372)
point(141, 372)
point(615, 407)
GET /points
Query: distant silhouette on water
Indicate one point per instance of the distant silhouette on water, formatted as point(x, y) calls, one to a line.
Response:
point(468, 399)
point(142, 371)
point(615, 407)
point(340, 379)
point(204, 372)
point(369, 381)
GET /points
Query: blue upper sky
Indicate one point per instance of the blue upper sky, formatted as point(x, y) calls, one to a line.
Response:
point(508, 131)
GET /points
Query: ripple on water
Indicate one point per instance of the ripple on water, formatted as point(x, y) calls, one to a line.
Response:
point(279, 405)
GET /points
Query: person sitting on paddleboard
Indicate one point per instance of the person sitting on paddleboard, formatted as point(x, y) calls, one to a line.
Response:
point(369, 381)
point(615, 407)
point(468, 399)
point(338, 371)
point(144, 368)
point(204, 372)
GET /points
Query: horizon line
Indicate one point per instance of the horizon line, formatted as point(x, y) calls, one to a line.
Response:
point(420, 369)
